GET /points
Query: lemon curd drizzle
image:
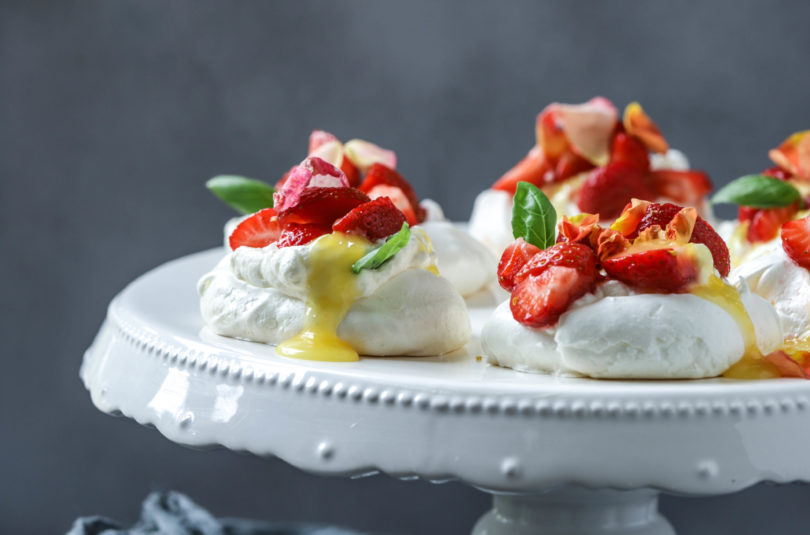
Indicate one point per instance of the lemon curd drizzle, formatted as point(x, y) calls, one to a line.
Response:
point(332, 290)
point(751, 365)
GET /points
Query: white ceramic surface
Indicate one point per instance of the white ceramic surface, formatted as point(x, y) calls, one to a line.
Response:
point(442, 418)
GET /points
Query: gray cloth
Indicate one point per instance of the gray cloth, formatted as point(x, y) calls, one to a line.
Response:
point(173, 513)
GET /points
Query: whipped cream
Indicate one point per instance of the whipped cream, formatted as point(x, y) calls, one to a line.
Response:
point(618, 334)
point(771, 274)
point(491, 218)
point(460, 258)
point(402, 308)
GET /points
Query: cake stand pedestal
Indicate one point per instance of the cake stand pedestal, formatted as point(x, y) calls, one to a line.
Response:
point(560, 455)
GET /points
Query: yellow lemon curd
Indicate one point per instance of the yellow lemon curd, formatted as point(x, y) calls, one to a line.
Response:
point(726, 296)
point(332, 290)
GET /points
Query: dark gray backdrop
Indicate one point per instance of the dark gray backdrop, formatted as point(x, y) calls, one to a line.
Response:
point(112, 114)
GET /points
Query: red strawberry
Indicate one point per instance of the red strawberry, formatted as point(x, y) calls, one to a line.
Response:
point(662, 213)
point(563, 254)
point(295, 234)
point(626, 148)
point(399, 199)
point(796, 240)
point(657, 270)
point(608, 189)
point(684, 187)
point(375, 220)
point(534, 169)
point(351, 172)
point(512, 261)
point(777, 172)
point(550, 281)
point(764, 223)
point(378, 174)
point(539, 300)
point(259, 230)
point(570, 164)
point(322, 206)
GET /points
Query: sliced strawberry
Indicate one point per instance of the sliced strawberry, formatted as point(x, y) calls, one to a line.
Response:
point(322, 206)
point(512, 261)
point(379, 174)
point(608, 189)
point(796, 241)
point(764, 223)
point(539, 300)
point(351, 172)
point(777, 172)
point(259, 230)
point(295, 234)
point(565, 254)
point(626, 148)
point(666, 270)
point(318, 138)
point(662, 213)
point(397, 196)
point(376, 219)
point(683, 187)
point(534, 169)
point(570, 164)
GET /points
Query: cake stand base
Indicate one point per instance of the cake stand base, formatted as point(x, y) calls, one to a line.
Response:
point(575, 511)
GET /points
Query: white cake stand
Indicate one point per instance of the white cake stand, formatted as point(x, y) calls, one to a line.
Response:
point(561, 456)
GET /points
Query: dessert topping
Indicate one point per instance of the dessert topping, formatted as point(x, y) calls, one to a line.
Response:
point(574, 139)
point(796, 241)
point(259, 230)
point(378, 175)
point(662, 214)
point(245, 195)
point(374, 220)
point(608, 189)
point(638, 124)
point(793, 154)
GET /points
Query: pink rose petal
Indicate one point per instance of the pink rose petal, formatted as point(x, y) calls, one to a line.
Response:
point(589, 127)
point(318, 138)
point(311, 173)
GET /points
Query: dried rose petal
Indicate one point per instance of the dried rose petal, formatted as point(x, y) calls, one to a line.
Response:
point(318, 138)
point(311, 173)
point(363, 154)
point(786, 365)
point(330, 151)
point(589, 127)
point(638, 124)
point(794, 154)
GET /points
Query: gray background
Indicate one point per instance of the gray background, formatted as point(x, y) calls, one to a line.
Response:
point(113, 113)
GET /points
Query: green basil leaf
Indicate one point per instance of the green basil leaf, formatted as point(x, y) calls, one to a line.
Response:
point(757, 191)
point(245, 195)
point(378, 256)
point(533, 217)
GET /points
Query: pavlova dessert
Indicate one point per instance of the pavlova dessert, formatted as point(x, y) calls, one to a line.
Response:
point(767, 200)
point(645, 298)
point(372, 169)
point(329, 273)
point(587, 159)
point(772, 242)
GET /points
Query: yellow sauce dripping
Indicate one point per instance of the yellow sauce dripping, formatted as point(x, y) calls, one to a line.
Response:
point(751, 365)
point(332, 290)
point(426, 246)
